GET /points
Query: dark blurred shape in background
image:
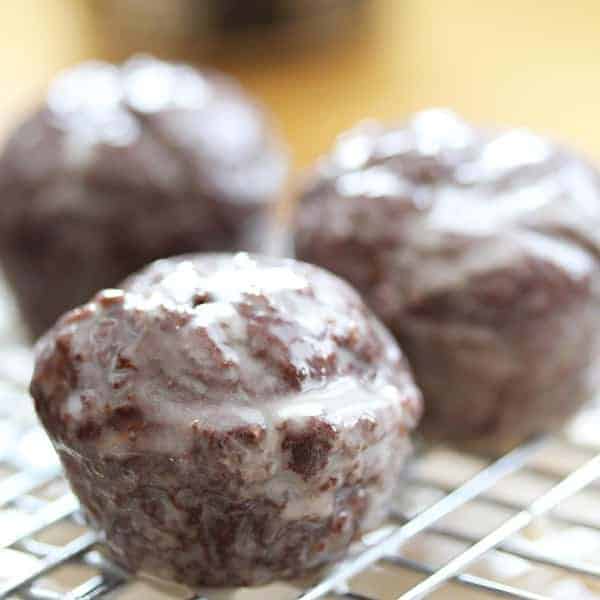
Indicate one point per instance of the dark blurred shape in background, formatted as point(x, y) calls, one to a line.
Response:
point(212, 25)
point(323, 65)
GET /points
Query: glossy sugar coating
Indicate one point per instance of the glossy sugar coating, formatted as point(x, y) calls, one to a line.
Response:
point(227, 420)
point(480, 250)
point(126, 164)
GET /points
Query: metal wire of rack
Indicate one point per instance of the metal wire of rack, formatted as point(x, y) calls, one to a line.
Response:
point(46, 552)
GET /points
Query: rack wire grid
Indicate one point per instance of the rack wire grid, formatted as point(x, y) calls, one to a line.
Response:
point(465, 526)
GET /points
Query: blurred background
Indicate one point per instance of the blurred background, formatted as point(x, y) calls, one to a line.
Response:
point(322, 65)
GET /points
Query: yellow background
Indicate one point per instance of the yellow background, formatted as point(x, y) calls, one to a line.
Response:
point(521, 62)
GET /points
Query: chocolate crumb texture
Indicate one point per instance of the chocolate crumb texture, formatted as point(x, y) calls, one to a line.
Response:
point(244, 438)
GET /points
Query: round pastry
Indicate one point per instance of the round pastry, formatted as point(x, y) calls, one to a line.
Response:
point(480, 250)
point(126, 164)
point(227, 420)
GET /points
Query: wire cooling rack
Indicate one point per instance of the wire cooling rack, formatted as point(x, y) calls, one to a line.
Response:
point(465, 526)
